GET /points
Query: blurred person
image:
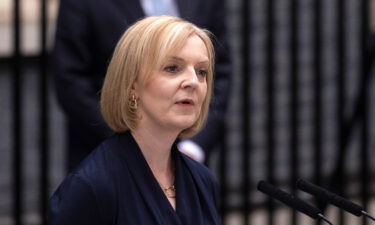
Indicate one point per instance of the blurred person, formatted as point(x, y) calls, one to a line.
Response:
point(86, 34)
point(157, 89)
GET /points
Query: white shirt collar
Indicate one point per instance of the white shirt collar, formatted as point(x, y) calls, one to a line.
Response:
point(169, 7)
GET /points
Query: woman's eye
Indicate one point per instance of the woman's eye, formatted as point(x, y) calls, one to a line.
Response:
point(202, 72)
point(171, 69)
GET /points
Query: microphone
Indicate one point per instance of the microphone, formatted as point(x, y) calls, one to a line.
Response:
point(291, 201)
point(327, 196)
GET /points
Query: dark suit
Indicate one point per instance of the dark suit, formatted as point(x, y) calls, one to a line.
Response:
point(115, 186)
point(87, 32)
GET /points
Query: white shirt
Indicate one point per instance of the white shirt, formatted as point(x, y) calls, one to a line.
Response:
point(159, 7)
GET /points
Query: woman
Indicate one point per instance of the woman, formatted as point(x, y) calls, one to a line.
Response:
point(157, 89)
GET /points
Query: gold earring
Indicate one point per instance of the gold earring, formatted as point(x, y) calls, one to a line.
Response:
point(133, 104)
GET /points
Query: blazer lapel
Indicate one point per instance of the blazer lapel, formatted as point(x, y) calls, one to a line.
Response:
point(201, 188)
point(187, 198)
point(146, 183)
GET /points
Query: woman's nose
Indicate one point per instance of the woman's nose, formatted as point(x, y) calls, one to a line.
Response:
point(190, 79)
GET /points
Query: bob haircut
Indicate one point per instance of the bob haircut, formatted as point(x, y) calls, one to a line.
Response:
point(143, 49)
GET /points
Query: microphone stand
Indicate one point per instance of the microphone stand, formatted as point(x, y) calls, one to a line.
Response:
point(324, 219)
point(367, 215)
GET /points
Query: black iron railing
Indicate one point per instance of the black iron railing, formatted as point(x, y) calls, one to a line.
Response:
point(352, 115)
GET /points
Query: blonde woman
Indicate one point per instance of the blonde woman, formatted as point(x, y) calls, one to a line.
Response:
point(157, 89)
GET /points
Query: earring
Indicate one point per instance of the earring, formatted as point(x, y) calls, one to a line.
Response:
point(133, 104)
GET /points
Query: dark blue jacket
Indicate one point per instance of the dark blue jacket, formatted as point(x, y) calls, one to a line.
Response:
point(115, 185)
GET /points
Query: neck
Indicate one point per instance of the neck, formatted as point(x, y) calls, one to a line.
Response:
point(156, 148)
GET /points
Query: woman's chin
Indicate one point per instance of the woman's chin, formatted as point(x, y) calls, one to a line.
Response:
point(186, 123)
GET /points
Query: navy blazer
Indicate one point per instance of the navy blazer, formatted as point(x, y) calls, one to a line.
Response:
point(86, 35)
point(115, 185)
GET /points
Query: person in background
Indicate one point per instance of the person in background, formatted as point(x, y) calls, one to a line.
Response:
point(86, 34)
point(157, 89)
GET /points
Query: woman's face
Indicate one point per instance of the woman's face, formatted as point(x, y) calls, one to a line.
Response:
point(172, 99)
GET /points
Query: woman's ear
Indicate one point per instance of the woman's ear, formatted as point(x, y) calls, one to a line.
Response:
point(134, 88)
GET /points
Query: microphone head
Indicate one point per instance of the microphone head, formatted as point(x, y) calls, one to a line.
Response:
point(327, 196)
point(289, 199)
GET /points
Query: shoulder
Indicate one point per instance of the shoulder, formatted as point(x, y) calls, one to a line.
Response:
point(73, 202)
point(100, 167)
point(204, 180)
point(200, 172)
point(95, 165)
point(88, 192)
point(105, 165)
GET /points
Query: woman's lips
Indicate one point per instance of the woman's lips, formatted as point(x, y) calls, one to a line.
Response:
point(185, 102)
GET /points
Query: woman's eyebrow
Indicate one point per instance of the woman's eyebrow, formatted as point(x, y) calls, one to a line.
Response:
point(204, 62)
point(176, 58)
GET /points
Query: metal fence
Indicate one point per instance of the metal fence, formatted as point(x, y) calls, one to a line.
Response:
point(302, 105)
point(300, 108)
point(18, 147)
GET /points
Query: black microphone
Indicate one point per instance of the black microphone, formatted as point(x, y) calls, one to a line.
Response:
point(291, 201)
point(327, 196)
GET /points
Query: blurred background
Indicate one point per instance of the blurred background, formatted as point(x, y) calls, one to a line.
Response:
point(302, 106)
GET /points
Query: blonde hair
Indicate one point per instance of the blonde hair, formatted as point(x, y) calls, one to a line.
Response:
point(142, 49)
